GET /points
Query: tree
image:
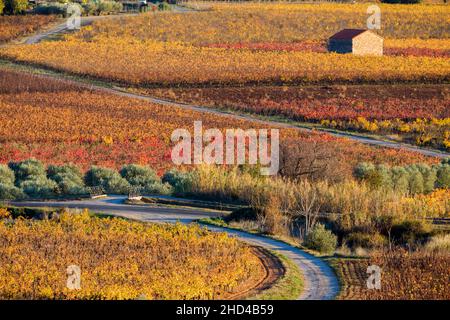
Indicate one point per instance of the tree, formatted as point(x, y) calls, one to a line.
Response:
point(416, 183)
point(314, 160)
point(109, 179)
point(308, 203)
point(6, 175)
point(30, 169)
point(443, 176)
point(15, 6)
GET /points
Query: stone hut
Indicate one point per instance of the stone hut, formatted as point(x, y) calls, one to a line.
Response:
point(357, 41)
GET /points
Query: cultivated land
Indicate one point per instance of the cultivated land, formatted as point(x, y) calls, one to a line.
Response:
point(266, 45)
point(265, 59)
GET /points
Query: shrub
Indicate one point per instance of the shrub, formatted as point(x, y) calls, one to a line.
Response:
point(164, 6)
point(27, 170)
point(145, 178)
point(181, 181)
point(365, 240)
point(109, 6)
point(6, 175)
point(15, 6)
point(10, 192)
point(39, 187)
point(321, 239)
point(109, 179)
point(68, 177)
point(2, 6)
point(99, 7)
point(54, 8)
point(443, 176)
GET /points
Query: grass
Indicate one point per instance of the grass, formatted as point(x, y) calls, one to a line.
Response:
point(288, 287)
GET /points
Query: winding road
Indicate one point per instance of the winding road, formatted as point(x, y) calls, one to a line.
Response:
point(320, 282)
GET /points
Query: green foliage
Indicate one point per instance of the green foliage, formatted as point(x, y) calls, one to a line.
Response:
point(109, 6)
point(6, 175)
point(68, 177)
point(181, 181)
point(99, 7)
point(321, 239)
point(31, 177)
point(164, 6)
point(145, 178)
point(54, 8)
point(39, 187)
point(29, 169)
point(15, 6)
point(413, 179)
point(2, 6)
point(443, 175)
point(109, 179)
point(10, 192)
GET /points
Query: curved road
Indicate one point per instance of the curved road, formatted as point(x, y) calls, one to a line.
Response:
point(320, 282)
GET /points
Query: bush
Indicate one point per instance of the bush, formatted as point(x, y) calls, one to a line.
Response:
point(10, 192)
point(365, 240)
point(68, 177)
point(145, 178)
point(15, 6)
point(99, 7)
point(109, 6)
point(6, 175)
point(2, 6)
point(321, 239)
point(164, 6)
point(443, 175)
point(30, 169)
point(182, 182)
point(54, 8)
point(40, 187)
point(109, 179)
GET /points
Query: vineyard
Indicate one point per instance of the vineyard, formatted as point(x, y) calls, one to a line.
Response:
point(200, 48)
point(156, 63)
point(12, 27)
point(119, 259)
point(405, 276)
point(417, 114)
point(57, 122)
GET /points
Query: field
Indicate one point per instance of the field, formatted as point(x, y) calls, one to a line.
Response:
point(405, 276)
point(119, 259)
point(169, 55)
point(417, 114)
point(81, 113)
point(60, 122)
point(12, 27)
point(262, 47)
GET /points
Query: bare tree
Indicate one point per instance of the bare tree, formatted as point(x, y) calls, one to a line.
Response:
point(313, 159)
point(308, 203)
